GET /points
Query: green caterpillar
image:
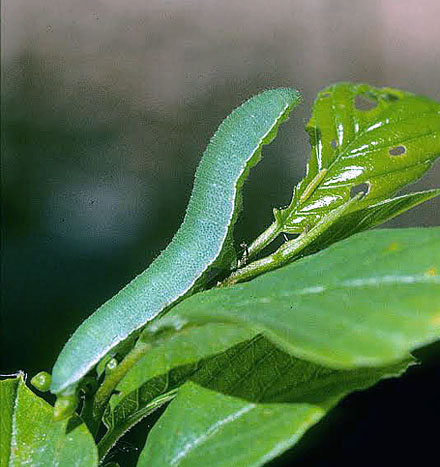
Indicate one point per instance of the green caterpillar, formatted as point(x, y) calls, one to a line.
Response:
point(199, 250)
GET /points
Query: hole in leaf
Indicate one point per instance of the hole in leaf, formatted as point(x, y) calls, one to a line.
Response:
point(390, 97)
point(289, 236)
point(363, 188)
point(334, 144)
point(325, 94)
point(315, 135)
point(397, 151)
point(365, 101)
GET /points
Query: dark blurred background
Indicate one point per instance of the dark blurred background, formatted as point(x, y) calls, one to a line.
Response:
point(106, 109)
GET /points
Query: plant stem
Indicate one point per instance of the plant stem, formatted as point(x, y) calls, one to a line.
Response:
point(289, 250)
point(269, 235)
point(261, 242)
point(273, 261)
point(109, 384)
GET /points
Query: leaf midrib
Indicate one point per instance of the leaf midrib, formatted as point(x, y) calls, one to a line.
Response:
point(349, 146)
point(375, 281)
point(212, 431)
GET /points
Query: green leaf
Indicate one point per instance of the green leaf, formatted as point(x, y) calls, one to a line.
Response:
point(31, 436)
point(250, 404)
point(365, 218)
point(382, 137)
point(8, 389)
point(365, 301)
point(202, 427)
point(171, 349)
point(259, 371)
point(171, 360)
point(123, 413)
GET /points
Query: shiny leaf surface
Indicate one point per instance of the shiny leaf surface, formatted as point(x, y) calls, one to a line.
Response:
point(366, 218)
point(374, 140)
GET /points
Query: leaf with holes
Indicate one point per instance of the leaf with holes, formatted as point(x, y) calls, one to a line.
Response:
point(31, 436)
point(365, 301)
point(373, 140)
point(248, 405)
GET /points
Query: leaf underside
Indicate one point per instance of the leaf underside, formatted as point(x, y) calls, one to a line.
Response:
point(368, 300)
point(348, 308)
point(173, 357)
point(249, 404)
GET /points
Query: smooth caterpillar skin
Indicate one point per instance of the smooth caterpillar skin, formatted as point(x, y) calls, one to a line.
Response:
point(201, 246)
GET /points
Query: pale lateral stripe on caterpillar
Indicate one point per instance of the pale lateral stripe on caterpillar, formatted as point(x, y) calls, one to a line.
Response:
point(202, 245)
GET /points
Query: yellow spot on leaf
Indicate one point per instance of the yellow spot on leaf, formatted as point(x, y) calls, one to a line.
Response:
point(394, 246)
point(431, 272)
point(436, 320)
